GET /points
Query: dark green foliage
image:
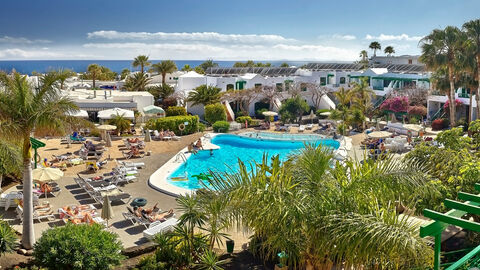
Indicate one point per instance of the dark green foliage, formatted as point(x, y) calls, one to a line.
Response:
point(172, 123)
point(78, 247)
point(201, 127)
point(221, 126)
point(242, 120)
point(8, 238)
point(176, 110)
point(215, 112)
point(259, 113)
point(292, 109)
point(205, 95)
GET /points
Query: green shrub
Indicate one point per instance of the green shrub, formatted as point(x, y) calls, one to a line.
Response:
point(201, 127)
point(8, 238)
point(172, 123)
point(341, 128)
point(78, 247)
point(215, 112)
point(259, 113)
point(241, 113)
point(221, 126)
point(242, 120)
point(175, 110)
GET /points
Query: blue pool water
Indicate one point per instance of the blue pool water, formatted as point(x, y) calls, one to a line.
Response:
point(232, 148)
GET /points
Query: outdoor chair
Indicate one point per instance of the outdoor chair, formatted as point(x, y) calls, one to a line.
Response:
point(159, 227)
point(38, 214)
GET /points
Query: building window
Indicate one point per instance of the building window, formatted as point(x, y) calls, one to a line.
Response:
point(258, 85)
point(342, 80)
point(279, 87)
point(323, 80)
point(230, 87)
point(410, 61)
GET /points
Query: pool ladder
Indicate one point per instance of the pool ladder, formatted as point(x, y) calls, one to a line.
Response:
point(181, 157)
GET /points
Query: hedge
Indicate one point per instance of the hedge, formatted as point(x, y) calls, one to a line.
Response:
point(176, 110)
point(215, 112)
point(242, 120)
point(221, 126)
point(172, 123)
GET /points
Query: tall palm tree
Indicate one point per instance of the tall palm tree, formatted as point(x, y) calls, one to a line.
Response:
point(472, 30)
point(162, 91)
point(22, 110)
point(362, 97)
point(63, 75)
point(125, 72)
point(375, 46)
point(389, 50)
point(364, 55)
point(164, 67)
point(439, 49)
point(120, 122)
point(204, 95)
point(187, 67)
point(315, 212)
point(94, 71)
point(137, 82)
point(141, 61)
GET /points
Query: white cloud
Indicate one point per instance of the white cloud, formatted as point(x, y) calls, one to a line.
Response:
point(194, 36)
point(384, 37)
point(344, 37)
point(27, 54)
point(22, 40)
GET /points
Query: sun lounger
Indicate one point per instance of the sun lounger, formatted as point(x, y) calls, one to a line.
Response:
point(38, 214)
point(309, 126)
point(127, 164)
point(7, 200)
point(159, 227)
point(135, 219)
point(301, 128)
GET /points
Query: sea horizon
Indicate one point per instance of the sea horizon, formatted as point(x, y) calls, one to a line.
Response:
point(79, 66)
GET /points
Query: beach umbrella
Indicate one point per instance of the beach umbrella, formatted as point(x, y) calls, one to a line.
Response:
point(325, 113)
point(379, 134)
point(148, 137)
point(79, 113)
point(108, 140)
point(111, 113)
point(269, 113)
point(107, 212)
point(47, 174)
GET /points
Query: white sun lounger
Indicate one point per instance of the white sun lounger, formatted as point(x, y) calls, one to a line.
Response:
point(301, 128)
point(127, 164)
point(160, 227)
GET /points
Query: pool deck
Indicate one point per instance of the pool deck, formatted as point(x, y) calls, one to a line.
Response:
point(158, 180)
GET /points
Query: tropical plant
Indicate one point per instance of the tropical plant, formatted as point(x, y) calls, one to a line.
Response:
point(10, 159)
point(142, 62)
point(22, 110)
point(137, 82)
point(284, 64)
point(292, 109)
point(164, 67)
point(161, 92)
point(120, 122)
point(187, 68)
point(316, 213)
point(362, 97)
point(375, 46)
point(176, 110)
point(364, 59)
point(93, 71)
point(8, 238)
point(205, 95)
point(472, 32)
point(205, 65)
point(209, 261)
point(389, 50)
point(125, 72)
point(215, 112)
point(63, 75)
point(78, 247)
point(395, 104)
point(439, 50)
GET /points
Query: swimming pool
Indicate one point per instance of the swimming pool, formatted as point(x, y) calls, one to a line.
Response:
point(234, 147)
point(283, 136)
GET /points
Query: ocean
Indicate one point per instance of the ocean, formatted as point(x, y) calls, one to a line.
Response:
point(29, 66)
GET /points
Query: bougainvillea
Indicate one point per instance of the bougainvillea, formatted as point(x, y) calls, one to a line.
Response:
point(396, 104)
point(417, 110)
point(457, 103)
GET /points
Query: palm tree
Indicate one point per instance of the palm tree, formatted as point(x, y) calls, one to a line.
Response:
point(164, 67)
point(364, 55)
point(389, 50)
point(94, 71)
point(137, 82)
point(11, 159)
point(63, 75)
point(162, 91)
point(125, 72)
point(284, 64)
point(187, 68)
point(209, 261)
point(22, 110)
point(362, 97)
point(205, 95)
point(207, 64)
point(120, 122)
point(472, 30)
point(375, 46)
point(440, 49)
point(316, 212)
point(141, 61)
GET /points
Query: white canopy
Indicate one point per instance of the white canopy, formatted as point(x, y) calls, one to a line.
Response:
point(111, 113)
point(79, 113)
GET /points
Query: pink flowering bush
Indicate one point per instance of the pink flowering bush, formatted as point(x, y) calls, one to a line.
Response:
point(417, 110)
point(457, 103)
point(396, 104)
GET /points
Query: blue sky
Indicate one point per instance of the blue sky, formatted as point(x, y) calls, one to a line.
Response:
point(222, 30)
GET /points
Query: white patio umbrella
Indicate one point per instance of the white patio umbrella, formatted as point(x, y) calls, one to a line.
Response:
point(111, 113)
point(79, 113)
point(47, 174)
point(270, 113)
point(107, 212)
point(379, 134)
point(326, 113)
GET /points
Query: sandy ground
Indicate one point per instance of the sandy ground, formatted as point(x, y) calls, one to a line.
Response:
point(161, 152)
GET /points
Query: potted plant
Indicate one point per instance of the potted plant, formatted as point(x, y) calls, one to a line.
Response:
point(282, 258)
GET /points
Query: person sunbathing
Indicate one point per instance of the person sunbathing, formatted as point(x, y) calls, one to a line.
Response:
point(161, 216)
point(44, 205)
point(199, 144)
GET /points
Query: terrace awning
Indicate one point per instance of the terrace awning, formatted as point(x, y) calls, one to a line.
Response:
point(152, 109)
